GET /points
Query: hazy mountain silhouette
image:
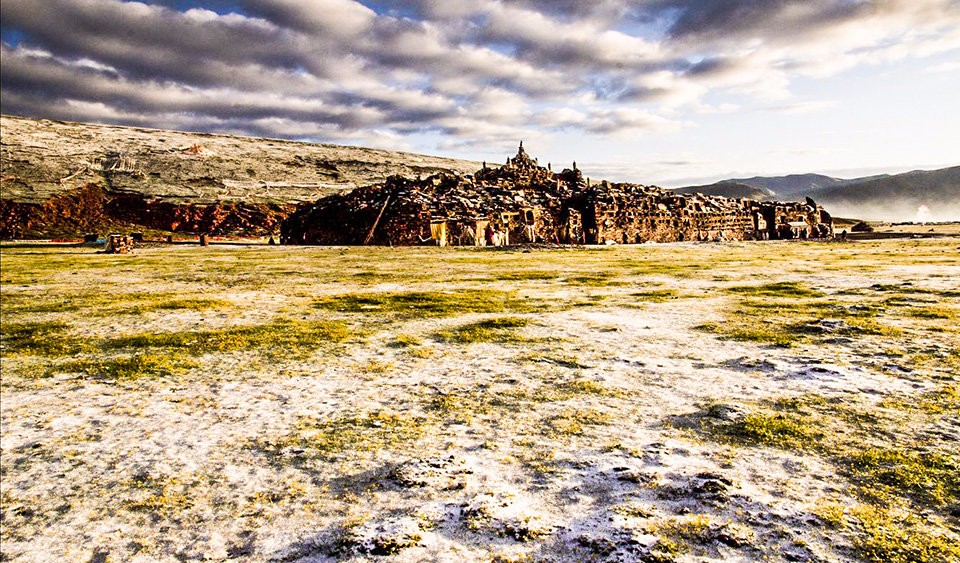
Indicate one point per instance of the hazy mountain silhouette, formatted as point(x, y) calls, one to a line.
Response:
point(932, 195)
point(920, 195)
point(731, 188)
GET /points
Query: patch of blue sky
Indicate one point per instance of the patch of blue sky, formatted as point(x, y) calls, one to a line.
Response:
point(12, 36)
point(646, 25)
point(301, 70)
point(607, 87)
point(222, 7)
point(503, 47)
point(393, 9)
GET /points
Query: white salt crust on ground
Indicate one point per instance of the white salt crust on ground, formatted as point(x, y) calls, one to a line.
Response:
point(168, 470)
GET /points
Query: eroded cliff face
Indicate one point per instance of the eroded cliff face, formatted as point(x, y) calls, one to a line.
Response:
point(74, 212)
point(92, 209)
point(239, 219)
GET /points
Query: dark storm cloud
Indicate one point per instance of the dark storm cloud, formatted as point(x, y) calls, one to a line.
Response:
point(709, 17)
point(486, 70)
point(151, 42)
point(787, 20)
point(50, 79)
point(608, 10)
point(713, 65)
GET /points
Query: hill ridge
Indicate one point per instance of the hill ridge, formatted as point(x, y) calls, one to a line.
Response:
point(917, 195)
point(45, 158)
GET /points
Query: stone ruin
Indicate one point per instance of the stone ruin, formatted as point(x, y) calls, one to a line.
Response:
point(118, 244)
point(523, 202)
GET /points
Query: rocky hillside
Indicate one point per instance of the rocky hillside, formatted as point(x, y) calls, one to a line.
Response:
point(45, 158)
point(62, 179)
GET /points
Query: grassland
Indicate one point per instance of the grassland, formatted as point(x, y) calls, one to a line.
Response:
point(678, 402)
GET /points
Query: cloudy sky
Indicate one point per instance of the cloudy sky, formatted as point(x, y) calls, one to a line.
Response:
point(652, 91)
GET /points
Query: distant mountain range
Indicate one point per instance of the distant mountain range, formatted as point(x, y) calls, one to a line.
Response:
point(921, 195)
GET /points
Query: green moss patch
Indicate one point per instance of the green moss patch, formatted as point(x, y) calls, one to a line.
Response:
point(896, 475)
point(656, 295)
point(931, 478)
point(44, 339)
point(944, 400)
point(346, 434)
point(573, 422)
point(761, 332)
point(281, 336)
point(503, 329)
point(787, 313)
point(890, 536)
point(773, 429)
point(460, 406)
point(777, 289)
point(573, 389)
point(598, 279)
point(125, 368)
point(431, 303)
point(524, 275)
point(103, 304)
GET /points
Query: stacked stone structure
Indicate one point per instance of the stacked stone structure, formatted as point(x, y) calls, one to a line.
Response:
point(523, 202)
point(118, 244)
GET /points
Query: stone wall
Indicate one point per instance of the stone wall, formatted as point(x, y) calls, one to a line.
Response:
point(522, 202)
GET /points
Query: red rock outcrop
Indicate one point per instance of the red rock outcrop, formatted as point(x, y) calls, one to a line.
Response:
point(92, 209)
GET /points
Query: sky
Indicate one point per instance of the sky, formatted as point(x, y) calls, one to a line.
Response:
point(667, 92)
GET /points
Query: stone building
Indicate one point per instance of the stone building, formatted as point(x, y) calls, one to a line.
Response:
point(523, 202)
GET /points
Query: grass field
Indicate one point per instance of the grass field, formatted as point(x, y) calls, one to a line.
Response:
point(676, 402)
